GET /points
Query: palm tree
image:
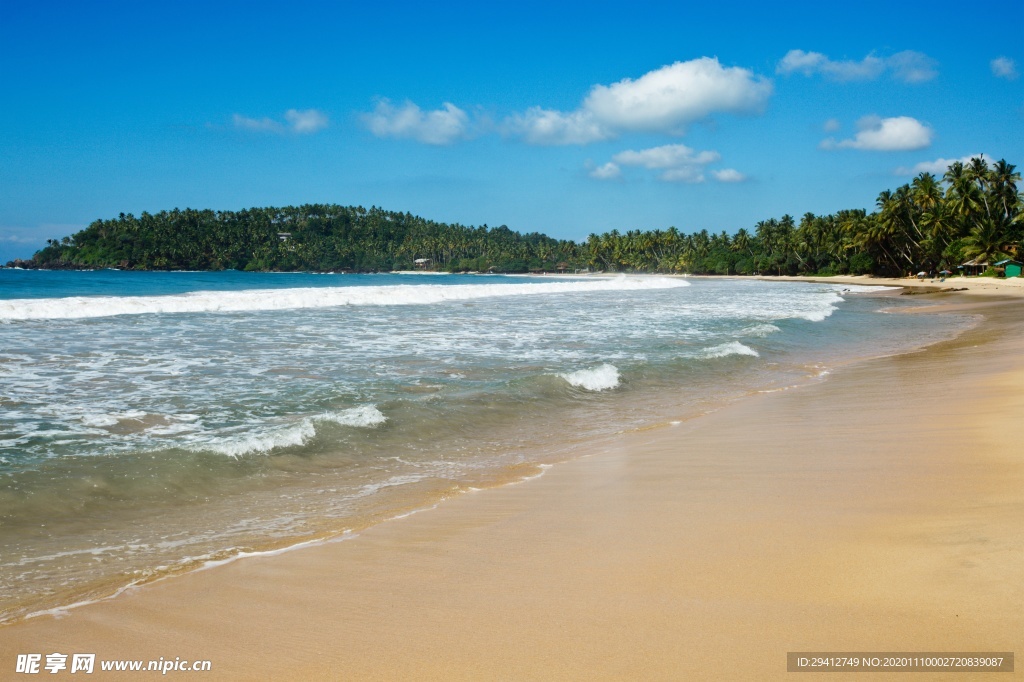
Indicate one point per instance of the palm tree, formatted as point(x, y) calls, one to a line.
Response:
point(986, 242)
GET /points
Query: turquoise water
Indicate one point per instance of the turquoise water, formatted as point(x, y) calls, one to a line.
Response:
point(152, 422)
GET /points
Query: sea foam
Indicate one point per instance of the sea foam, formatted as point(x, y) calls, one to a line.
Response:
point(599, 378)
point(294, 435)
point(77, 307)
point(726, 349)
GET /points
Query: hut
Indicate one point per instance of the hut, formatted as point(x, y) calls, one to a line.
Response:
point(974, 267)
point(1010, 268)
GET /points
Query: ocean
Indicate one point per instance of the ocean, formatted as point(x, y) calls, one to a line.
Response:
point(156, 423)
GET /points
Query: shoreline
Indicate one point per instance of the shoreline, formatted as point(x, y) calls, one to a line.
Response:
point(452, 541)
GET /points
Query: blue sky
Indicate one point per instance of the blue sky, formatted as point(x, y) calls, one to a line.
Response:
point(566, 118)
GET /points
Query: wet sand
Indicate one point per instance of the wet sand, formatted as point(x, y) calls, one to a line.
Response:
point(881, 509)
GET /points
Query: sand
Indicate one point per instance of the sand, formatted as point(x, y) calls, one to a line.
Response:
point(970, 286)
point(880, 509)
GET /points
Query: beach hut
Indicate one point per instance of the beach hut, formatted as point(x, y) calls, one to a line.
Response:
point(974, 267)
point(421, 263)
point(1011, 268)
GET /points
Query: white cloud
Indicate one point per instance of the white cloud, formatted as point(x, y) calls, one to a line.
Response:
point(299, 122)
point(728, 175)
point(677, 162)
point(912, 67)
point(1004, 67)
point(907, 66)
point(691, 174)
point(832, 125)
point(936, 167)
point(661, 101)
point(304, 122)
point(900, 133)
point(549, 127)
point(263, 125)
point(668, 98)
point(666, 156)
point(608, 171)
point(439, 126)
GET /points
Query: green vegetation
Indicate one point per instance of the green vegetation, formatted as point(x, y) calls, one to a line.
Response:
point(974, 212)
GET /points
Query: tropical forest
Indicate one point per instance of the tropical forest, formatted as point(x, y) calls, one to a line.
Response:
point(973, 214)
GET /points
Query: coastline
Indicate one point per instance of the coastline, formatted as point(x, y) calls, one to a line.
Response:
point(973, 286)
point(699, 550)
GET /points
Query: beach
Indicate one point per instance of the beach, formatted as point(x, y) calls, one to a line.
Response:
point(877, 510)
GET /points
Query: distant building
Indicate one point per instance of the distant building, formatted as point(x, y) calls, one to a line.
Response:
point(1010, 268)
point(284, 236)
point(421, 262)
point(973, 267)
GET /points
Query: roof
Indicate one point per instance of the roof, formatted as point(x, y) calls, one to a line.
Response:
point(1009, 261)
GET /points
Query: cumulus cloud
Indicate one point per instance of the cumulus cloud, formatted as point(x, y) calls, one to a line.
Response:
point(438, 127)
point(912, 67)
point(677, 163)
point(666, 156)
point(728, 175)
point(295, 121)
point(665, 101)
point(831, 125)
point(668, 98)
point(907, 66)
point(549, 127)
point(608, 171)
point(937, 167)
point(304, 122)
point(900, 133)
point(1004, 67)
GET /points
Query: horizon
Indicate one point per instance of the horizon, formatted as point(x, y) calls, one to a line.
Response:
point(587, 120)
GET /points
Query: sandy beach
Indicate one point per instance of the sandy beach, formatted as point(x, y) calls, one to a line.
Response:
point(877, 510)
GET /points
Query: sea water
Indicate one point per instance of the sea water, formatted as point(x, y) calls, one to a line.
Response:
point(153, 423)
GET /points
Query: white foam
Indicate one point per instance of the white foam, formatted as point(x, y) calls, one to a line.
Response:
point(77, 307)
point(599, 378)
point(294, 435)
point(291, 436)
point(99, 420)
point(362, 416)
point(726, 349)
point(761, 330)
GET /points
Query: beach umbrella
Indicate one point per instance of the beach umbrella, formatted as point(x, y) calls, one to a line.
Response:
point(922, 274)
point(945, 272)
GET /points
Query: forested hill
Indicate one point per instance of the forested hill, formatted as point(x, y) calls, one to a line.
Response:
point(311, 237)
point(973, 212)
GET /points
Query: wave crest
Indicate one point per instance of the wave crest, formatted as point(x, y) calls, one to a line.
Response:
point(78, 307)
point(731, 348)
point(295, 435)
point(601, 378)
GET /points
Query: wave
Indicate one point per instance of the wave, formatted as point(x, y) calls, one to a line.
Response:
point(295, 435)
point(760, 330)
point(363, 416)
point(77, 307)
point(731, 348)
point(599, 378)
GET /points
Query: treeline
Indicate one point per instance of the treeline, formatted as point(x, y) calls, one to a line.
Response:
point(973, 213)
point(313, 237)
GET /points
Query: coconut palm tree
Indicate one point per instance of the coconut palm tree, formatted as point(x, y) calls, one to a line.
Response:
point(986, 242)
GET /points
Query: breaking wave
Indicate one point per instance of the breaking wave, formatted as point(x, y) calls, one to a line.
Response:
point(731, 348)
point(300, 433)
point(600, 378)
point(76, 307)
